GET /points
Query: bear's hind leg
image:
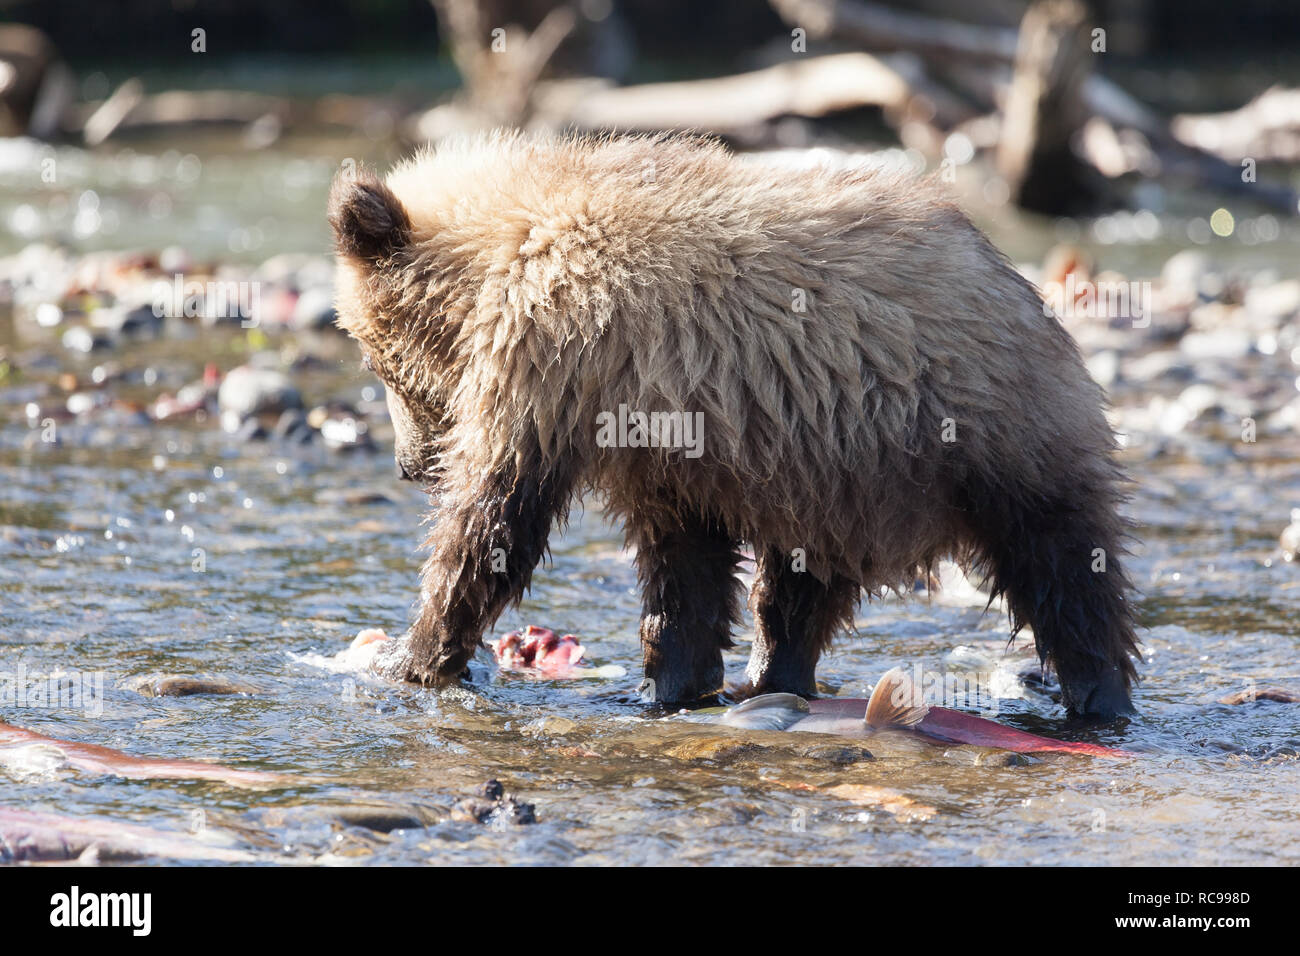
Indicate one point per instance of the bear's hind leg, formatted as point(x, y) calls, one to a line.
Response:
point(795, 618)
point(1057, 562)
point(687, 569)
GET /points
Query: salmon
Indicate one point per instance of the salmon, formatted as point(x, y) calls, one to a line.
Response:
point(533, 652)
point(538, 648)
point(34, 836)
point(98, 759)
point(896, 704)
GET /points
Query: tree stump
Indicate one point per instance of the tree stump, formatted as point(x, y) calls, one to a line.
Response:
point(1045, 111)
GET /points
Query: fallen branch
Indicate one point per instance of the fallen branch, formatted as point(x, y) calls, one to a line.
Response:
point(1267, 129)
point(811, 87)
point(132, 112)
point(112, 112)
point(882, 28)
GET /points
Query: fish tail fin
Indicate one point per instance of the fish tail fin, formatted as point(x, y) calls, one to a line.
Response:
point(896, 702)
point(767, 712)
point(1095, 750)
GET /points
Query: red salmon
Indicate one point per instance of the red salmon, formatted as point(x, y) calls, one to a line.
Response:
point(104, 760)
point(896, 704)
point(538, 648)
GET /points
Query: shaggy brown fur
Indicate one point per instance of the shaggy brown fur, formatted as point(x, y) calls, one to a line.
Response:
point(509, 290)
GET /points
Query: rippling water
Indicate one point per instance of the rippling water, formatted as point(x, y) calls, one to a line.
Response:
point(101, 534)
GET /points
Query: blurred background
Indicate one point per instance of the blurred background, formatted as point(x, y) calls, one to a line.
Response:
point(1080, 110)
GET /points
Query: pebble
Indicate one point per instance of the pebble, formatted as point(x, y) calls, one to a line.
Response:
point(1166, 363)
point(174, 259)
point(81, 339)
point(253, 391)
point(1184, 271)
point(1277, 301)
point(135, 323)
point(48, 315)
point(341, 426)
point(832, 753)
point(314, 309)
point(275, 308)
point(1008, 759)
point(344, 434)
point(1290, 537)
point(292, 427)
point(82, 403)
point(1104, 367)
point(1222, 343)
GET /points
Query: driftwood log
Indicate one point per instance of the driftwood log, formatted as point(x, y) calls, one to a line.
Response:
point(882, 28)
point(1045, 113)
point(36, 87)
point(730, 106)
point(989, 63)
point(1267, 129)
point(129, 109)
point(1063, 137)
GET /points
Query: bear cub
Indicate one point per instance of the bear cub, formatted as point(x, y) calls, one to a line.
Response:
point(831, 366)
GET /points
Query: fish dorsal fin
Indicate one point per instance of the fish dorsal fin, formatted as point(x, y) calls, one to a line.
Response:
point(896, 702)
point(767, 712)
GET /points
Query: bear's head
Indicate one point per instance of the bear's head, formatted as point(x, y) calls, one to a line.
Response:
point(378, 304)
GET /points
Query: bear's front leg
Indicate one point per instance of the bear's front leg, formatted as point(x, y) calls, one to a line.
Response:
point(489, 533)
point(690, 598)
point(795, 617)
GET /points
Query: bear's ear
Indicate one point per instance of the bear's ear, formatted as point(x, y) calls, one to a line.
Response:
point(368, 219)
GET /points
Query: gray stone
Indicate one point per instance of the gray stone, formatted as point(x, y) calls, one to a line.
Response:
point(254, 391)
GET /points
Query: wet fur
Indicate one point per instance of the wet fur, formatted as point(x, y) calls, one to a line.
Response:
point(509, 289)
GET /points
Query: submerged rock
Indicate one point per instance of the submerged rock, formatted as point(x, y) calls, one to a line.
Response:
point(1250, 695)
point(354, 497)
point(376, 816)
point(385, 818)
point(314, 309)
point(832, 753)
point(183, 685)
point(493, 806)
